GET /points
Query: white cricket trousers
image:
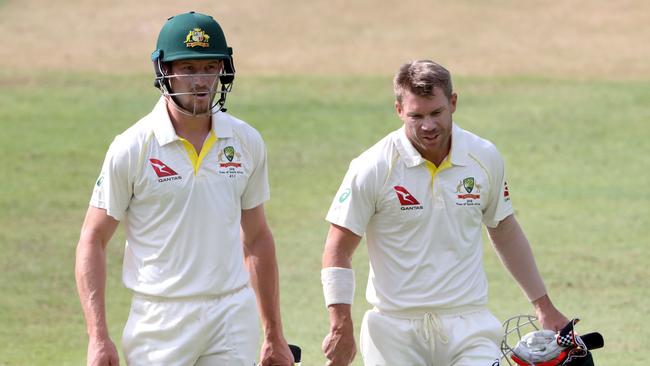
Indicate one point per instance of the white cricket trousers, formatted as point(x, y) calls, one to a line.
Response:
point(458, 337)
point(201, 331)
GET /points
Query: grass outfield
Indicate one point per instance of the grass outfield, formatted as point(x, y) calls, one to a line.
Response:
point(577, 155)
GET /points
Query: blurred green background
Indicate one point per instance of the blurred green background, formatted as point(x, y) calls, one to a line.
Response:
point(561, 89)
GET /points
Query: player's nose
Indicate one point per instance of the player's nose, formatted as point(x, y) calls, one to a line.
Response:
point(428, 124)
point(200, 82)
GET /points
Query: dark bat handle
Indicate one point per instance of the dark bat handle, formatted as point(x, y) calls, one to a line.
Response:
point(296, 352)
point(593, 340)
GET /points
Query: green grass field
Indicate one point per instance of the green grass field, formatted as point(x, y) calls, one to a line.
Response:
point(577, 153)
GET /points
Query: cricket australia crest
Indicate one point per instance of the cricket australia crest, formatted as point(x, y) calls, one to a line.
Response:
point(464, 195)
point(230, 162)
point(229, 151)
point(468, 183)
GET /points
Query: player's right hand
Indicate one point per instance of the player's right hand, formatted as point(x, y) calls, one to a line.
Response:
point(339, 346)
point(102, 352)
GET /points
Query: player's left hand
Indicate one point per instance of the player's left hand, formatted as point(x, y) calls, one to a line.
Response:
point(549, 317)
point(275, 352)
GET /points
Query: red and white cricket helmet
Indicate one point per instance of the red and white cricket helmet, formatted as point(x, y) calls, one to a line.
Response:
point(525, 343)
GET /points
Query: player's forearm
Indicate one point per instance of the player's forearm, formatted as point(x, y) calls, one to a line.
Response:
point(340, 316)
point(339, 247)
point(90, 273)
point(514, 250)
point(337, 277)
point(332, 259)
point(333, 256)
point(263, 270)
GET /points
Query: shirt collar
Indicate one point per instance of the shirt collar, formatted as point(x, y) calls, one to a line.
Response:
point(162, 125)
point(164, 130)
point(221, 125)
point(408, 153)
point(411, 157)
point(459, 148)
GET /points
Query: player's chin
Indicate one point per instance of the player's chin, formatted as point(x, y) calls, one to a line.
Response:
point(202, 111)
point(430, 142)
point(200, 105)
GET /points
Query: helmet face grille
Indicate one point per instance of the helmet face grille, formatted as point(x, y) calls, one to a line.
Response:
point(515, 328)
point(163, 83)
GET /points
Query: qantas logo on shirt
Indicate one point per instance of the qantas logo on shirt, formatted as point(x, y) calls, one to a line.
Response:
point(406, 199)
point(506, 192)
point(164, 172)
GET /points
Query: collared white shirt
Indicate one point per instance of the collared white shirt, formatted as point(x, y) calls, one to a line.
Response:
point(423, 231)
point(182, 216)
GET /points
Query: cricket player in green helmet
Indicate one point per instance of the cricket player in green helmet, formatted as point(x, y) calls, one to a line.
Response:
point(189, 182)
point(193, 36)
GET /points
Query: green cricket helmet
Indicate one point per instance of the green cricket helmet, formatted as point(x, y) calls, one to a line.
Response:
point(193, 36)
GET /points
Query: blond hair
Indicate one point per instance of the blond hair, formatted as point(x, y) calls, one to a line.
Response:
point(420, 77)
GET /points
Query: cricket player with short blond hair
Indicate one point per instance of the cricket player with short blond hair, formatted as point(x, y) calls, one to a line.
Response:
point(421, 196)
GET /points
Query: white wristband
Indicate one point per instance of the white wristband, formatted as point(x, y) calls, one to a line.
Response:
point(338, 285)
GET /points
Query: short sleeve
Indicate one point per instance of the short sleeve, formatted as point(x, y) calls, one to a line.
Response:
point(114, 187)
point(499, 205)
point(354, 203)
point(257, 189)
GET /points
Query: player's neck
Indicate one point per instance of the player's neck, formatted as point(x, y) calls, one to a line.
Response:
point(436, 159)
point(194, 129)
point(189, 125)
point(436, 156)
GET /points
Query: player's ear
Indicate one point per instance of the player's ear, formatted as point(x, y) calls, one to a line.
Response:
point(167, 67)
point(452, 102)
point(398, 107)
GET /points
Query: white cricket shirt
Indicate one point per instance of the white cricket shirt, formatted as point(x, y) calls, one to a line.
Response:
point(424, 231)
point(182, 212)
